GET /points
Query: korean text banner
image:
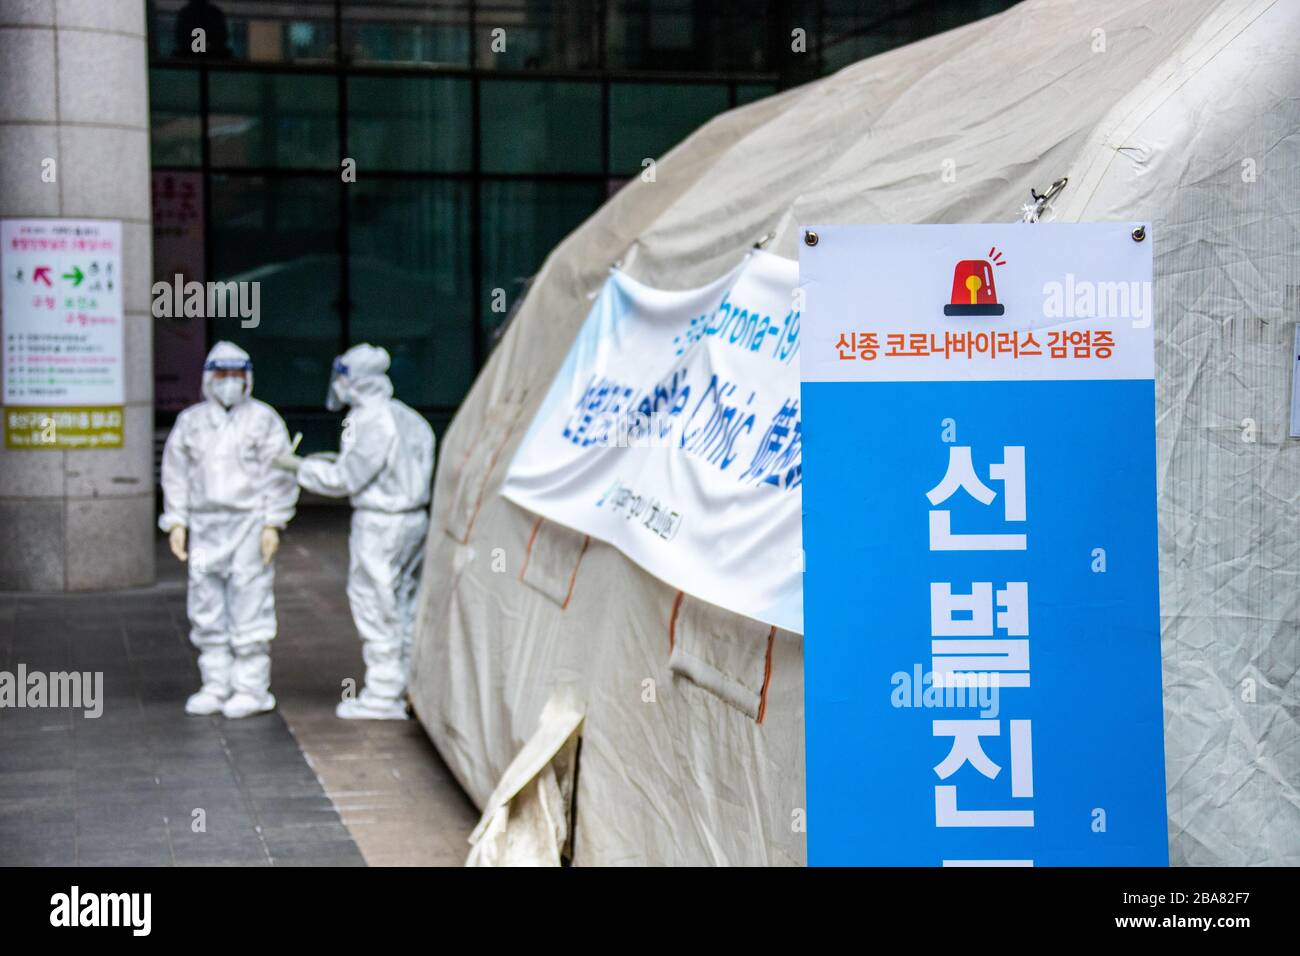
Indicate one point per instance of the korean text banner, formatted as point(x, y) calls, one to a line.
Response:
point(673, 433)
point(982, 657)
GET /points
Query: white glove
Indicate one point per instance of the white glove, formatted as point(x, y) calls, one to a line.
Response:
point(176, 540)
point(286, 462)
point(270, 544)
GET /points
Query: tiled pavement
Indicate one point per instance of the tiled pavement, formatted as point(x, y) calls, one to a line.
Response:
point(144, 784)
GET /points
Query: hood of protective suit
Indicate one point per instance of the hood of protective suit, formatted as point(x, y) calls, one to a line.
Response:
point(226, 355)
point(359, 376)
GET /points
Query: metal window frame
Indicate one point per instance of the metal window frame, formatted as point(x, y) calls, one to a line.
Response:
point(475, 176)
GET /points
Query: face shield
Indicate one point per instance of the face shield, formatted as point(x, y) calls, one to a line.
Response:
point(336, 396)
point(227, 379)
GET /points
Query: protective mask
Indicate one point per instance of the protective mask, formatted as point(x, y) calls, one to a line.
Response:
point(338, 396)
point(228, 390)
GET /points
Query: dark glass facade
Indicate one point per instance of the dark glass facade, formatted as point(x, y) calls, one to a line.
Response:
point(481, 132)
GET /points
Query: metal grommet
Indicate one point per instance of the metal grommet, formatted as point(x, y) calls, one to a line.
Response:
point(810, 238)
point(1139, 233)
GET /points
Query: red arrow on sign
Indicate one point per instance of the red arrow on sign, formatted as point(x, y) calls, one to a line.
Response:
point(43, 272)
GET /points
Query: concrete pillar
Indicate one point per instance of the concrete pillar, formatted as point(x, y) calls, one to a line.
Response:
point(74, 88)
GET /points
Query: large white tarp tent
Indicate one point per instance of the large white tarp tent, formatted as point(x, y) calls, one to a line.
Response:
point(1186, 114)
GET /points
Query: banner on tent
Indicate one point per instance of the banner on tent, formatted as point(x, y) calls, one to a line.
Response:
point(982, 668)
point(673, 433)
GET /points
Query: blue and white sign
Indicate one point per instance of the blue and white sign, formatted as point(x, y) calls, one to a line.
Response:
point(982, 643)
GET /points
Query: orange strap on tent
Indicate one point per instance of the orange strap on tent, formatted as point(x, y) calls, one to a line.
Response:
point(767, 675)
point(528, 552)
point(573, 579)
point(672, 619)
point(573, 576)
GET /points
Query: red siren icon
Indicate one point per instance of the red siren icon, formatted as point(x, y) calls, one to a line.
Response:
point(973, 289)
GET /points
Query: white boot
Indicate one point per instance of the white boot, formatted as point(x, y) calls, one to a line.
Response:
point(206, 701)
point(245, 705)
point(251, 678)
point(214, 669)
point(369, 707)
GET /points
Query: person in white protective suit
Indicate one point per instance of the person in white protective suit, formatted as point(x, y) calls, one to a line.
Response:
point(221, 493)
point(385, 466)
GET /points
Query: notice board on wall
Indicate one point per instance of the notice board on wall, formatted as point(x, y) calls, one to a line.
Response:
point(982, 642)
point(61, 306)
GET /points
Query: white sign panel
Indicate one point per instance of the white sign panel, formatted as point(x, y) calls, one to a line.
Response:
point(982, 654)
point(673, 433)
point(62, 313)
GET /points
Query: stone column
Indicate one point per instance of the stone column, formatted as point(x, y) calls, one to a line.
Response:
point(74, 89)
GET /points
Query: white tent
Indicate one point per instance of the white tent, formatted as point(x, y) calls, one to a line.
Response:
point(1184, 113)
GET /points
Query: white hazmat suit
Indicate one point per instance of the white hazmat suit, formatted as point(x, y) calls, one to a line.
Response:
point(218, 483)
point(385, 467)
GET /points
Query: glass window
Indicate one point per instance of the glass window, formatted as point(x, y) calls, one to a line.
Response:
point(320, 429)
point(408, 32)
point(646, 120)
point(411, 284)
point(282, 233)
point(522, 222)
point(652, 35)
point(162, 27)
point(538, 34)
point(534, 126)
point(411, 123)
point(737, 33)
point(749, 92)
point(274, 119)
point(440, 421)
point(853, 30)
point(268, 31)
point(174, 117)
point(691, 37)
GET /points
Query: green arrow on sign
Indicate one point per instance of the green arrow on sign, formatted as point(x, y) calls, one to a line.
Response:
point(76, 275)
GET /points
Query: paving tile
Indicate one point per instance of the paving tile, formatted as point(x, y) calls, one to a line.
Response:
point(53, 755)
point(26, 812)
point(13, 832)
point(331, 832)
point(303, 810)
point(334, 853)
point(179, 771)
point(404, 844)
point(107, 787)
point(282, 784)
point(57, 848)
point(24, 722)
point(106, 839)
point(121, 789)
point(16, 784)
point(124, 856)
point(217, 845)
point(221, 862)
